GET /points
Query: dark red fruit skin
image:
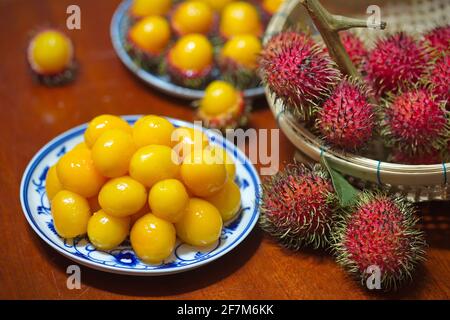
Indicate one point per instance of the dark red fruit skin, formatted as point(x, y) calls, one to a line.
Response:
point(355, 47)
point(395, 63)
point(438, 78)
point(347, 119)
point(420, 158)
point(438, 38)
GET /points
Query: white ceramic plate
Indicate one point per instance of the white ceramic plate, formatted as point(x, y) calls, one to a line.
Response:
point(122, 259)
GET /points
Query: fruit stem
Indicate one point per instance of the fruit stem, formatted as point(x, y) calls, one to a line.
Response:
point(329, 26)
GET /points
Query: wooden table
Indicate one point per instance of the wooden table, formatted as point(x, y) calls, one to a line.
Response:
point(31, 115)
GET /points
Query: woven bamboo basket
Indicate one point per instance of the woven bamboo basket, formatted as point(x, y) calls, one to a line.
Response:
point(417, 182)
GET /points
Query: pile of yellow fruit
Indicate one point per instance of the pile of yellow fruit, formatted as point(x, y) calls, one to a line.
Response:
point(151, 181)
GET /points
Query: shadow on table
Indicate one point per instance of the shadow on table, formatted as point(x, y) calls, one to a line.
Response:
point(169, 284)
point(435, 221)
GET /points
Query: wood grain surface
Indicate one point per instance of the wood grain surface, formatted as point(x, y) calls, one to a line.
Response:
point(31, 115)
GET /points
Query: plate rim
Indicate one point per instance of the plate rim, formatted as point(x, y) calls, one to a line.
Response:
point(168, 88)
point(75, 131)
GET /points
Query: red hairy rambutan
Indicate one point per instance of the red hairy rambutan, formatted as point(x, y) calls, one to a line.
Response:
point(297, 70)
point(379, 231)
point(297, 206)
point(438, 76)
point(347, 119)
point(438, 38)
point(428, 157)
point(415, 121)
point(354, 46)
point(396, 62)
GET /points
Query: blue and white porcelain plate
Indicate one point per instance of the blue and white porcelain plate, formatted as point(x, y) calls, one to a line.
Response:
point(122, 259)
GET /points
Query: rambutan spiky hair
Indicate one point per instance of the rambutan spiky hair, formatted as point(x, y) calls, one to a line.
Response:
point(379, 231)
point(298, 71)
point(297, 206)
point(438, 38)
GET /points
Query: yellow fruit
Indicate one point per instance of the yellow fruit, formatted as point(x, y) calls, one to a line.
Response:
point(152, 130)
point(70, 213)
point(77, 173)
point(217, 5)
point(121, 197)
point(112, 153)
point(201, 223)
point(230, 166)
point(187, 140)
point(243, 50)
point(193, 17)
point(102, 123)
point(106, 232)
point(204, 172)
point(167, 199)
point(220, 97)
point(52, 183)
point(142, 8)
point(154, 163)
point(272, 6)
point(135, 217)
point(240, 18)
point(81, 145)
point(192, 53)
point(151, 34)
point(227, 200)
point(50, 52)
point(152, 238)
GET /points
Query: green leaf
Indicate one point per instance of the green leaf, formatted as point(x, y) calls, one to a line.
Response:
point(346, 193)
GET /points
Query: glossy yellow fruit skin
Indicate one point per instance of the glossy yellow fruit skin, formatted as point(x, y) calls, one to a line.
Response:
point(142, 8)
point(192, 54)
point(240, 18)
point(187, 140)
point(154, 163)
point(230, 166)
point(201, 224)
point(77, 173)
point(121, 197)
point(220, 96)
point(167, 200)
point(217, 5)
point(102, 123)
point(153, 239)
point(50, 52)
point(193, 17)
point(112, 153)
point(81, 145)
point(70, 213)
point(152, 130)
point(204, 172)
point(106, 231)
point(227, 200)
point(151, 34)
point(52, 183)
point(272, 6)
point(243, 50)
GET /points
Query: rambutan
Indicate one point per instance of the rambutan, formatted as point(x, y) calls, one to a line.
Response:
point(297, 206)
point(438, 38)
point(415, 122)
point(419, 158)
point(298, 71)
point(355, 47)
point(396, 62)
point(381, 232)
point(347, 119)
point(437, 78)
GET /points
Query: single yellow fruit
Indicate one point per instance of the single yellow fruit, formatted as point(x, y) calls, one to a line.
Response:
point(272, 6)
point(102, 123)
point(204, 172)
point(77, 173)
point(240, 18)
point(52, 183)
point(193, 17)
point(167, 199)
point(192, 53)
point(243, 50)
point(152, 238)
point(220, 97)
point(143, 8)
point(154, 163)
point(70, 213)
point(50, 52)
point(152, 130)
point(217, 5)
point(201, 223)
point(227, 200)
point(151, 35)
point(121, 197)
point(106, 232)
point(187, 140)
point(112, 153)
